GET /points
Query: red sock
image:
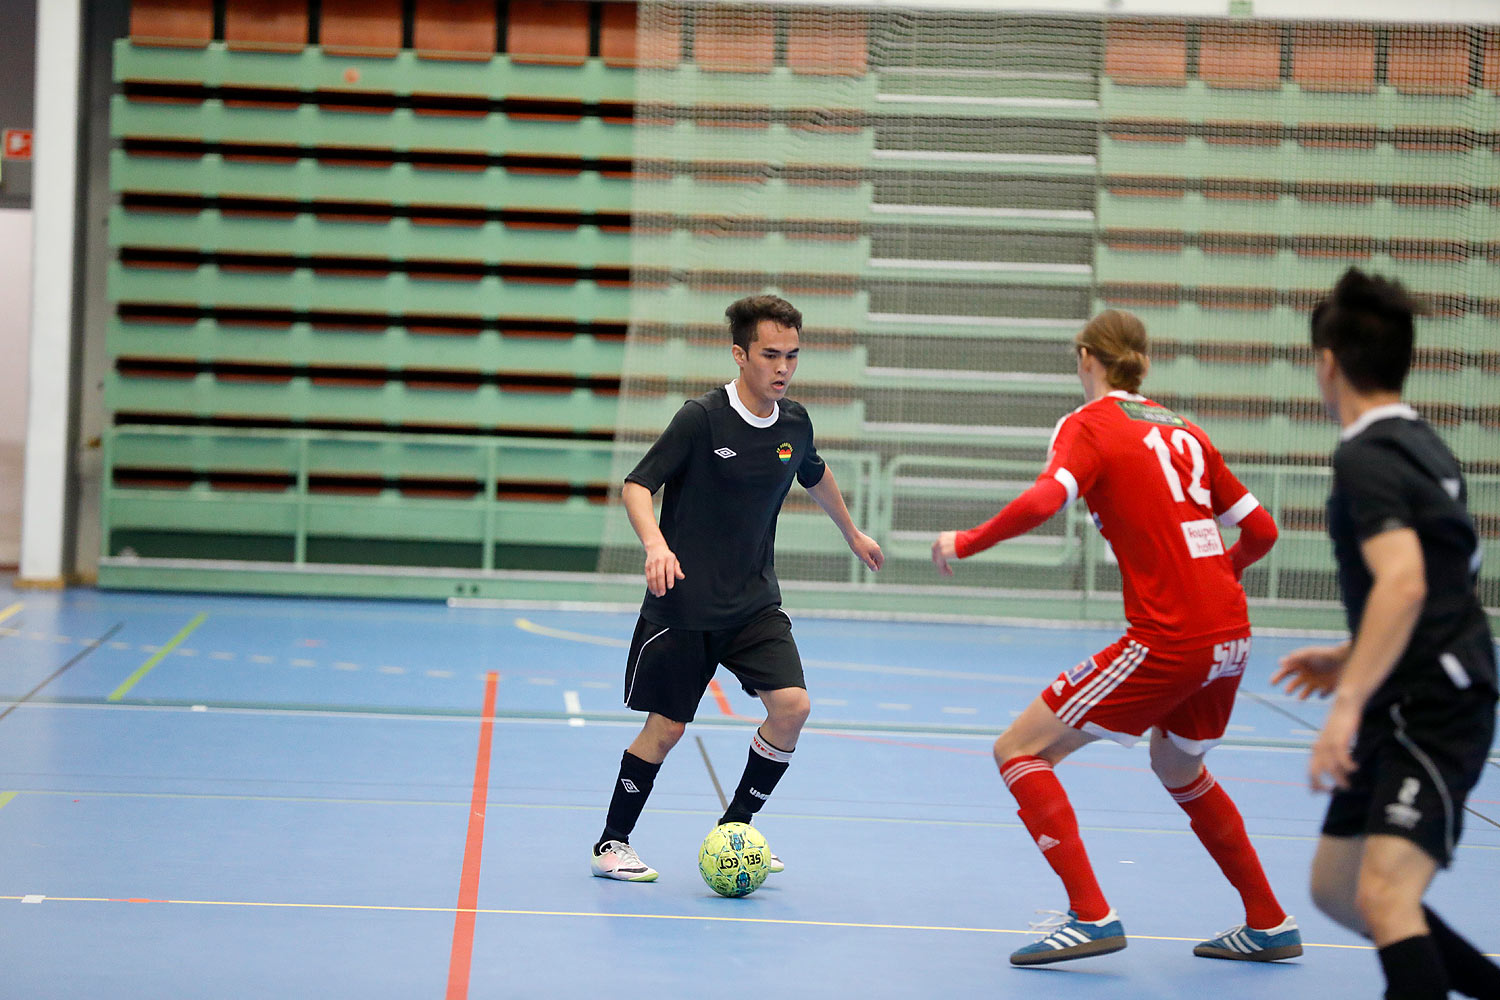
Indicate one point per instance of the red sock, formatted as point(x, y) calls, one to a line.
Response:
point(1218, 824)
point(1049, 819)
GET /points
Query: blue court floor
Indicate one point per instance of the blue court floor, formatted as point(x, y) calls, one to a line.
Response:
point(243, 797)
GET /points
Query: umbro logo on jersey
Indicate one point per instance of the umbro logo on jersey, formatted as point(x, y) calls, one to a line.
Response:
point(725, 452)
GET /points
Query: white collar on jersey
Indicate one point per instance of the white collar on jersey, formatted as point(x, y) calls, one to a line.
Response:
point(744, 411)
point(1134, 397)
point(1378, 413)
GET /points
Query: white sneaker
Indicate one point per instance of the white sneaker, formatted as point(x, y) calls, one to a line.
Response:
point(775, 867)
point(617, 859)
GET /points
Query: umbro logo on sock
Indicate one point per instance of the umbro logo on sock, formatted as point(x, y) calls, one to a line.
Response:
point(1046, 843)
point(725, 452)
point(759, 794)
point(629, 786)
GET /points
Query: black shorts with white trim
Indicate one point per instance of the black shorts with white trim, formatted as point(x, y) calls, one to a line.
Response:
point(1417, 760)
point(668, 669)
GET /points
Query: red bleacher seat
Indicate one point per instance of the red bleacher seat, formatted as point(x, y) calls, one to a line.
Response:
point(827, 43)
point(734, 40)
point(266, 25)
point(1240, 56)
point(1429, 60)
point(179, 23)
point(454, 29)
point(1146, 53)
point(360, 27)
point(552, 32)
point(1335, 60)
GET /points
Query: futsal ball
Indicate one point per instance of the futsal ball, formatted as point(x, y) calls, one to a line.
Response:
point(734, 859)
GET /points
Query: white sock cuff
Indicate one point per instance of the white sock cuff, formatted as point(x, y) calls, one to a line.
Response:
point(762, 746)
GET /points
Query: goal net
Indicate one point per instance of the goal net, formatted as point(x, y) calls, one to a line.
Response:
point(947, 196)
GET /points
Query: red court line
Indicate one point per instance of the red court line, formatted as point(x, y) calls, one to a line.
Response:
point(721, 698)
point(461, 958)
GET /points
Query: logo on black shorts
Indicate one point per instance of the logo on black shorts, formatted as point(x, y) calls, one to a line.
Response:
point(1401, 812)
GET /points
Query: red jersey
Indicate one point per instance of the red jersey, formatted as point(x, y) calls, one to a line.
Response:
point(1155, 485)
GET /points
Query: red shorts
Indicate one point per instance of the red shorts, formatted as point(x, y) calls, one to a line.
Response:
point(1125, 689)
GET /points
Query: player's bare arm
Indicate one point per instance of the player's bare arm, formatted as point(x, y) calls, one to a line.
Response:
point(1395, 561)
point(827, 495)
point(662, 569)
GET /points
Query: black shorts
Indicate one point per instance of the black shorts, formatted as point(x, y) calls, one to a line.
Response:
point(669, 669)
point(1417, 762)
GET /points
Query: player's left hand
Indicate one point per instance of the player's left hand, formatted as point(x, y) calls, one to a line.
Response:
point(1332, 762)
point(944, 548)
point(868, 551)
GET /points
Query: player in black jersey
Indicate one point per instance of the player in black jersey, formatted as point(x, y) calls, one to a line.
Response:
point(727, 460)
point(1414, 690)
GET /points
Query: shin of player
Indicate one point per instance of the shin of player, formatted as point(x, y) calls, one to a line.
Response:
point(1155, 485)
point(725, 464)
point(1414, 690)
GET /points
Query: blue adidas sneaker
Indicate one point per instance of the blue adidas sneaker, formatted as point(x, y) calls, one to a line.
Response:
point(1067, 938)
point(1245, 944)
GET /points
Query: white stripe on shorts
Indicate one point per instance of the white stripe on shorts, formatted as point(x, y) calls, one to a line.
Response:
point(635, 668)
point(1099, 687)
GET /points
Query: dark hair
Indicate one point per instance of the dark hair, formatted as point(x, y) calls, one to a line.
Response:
point(1366, 321)
point(745, 315)
point(1118, 339)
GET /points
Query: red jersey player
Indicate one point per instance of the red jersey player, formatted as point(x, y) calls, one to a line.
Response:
point(1156, 486)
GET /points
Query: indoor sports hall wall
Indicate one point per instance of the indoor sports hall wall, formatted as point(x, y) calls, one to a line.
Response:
point(400, 287)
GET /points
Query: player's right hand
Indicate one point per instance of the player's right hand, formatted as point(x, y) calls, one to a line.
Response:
point(1311, 670)
point(662, 570)
point(945, 548)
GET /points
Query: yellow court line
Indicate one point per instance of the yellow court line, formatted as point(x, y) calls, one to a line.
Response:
point(8, 612)
point(527, 625)
point(777, 921)
point(145, 668)
point(5, 798)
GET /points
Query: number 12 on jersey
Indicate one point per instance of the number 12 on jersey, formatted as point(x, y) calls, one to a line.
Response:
point(1186, 444)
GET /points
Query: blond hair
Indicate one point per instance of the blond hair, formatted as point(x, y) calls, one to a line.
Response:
point(1118, 339)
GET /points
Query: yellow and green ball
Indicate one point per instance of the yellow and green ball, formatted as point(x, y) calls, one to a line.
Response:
point(734, 859)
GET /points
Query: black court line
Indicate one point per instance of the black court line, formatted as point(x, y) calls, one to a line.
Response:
point(1308, 725)
point(712, 776)
point(59, 671)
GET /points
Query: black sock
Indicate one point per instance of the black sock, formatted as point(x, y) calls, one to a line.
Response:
point(764, 768)
point(1414, 970)
point(625, 805)
point(1469, 972)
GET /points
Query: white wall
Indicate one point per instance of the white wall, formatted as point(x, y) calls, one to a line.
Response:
point(15, 337)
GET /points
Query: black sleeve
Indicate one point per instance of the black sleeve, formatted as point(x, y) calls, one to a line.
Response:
point(1378, 484)
point(671, 451)
point(810, 470)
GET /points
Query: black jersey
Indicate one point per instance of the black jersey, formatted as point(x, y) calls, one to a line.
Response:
point(1392, 471)
point(726, 473)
